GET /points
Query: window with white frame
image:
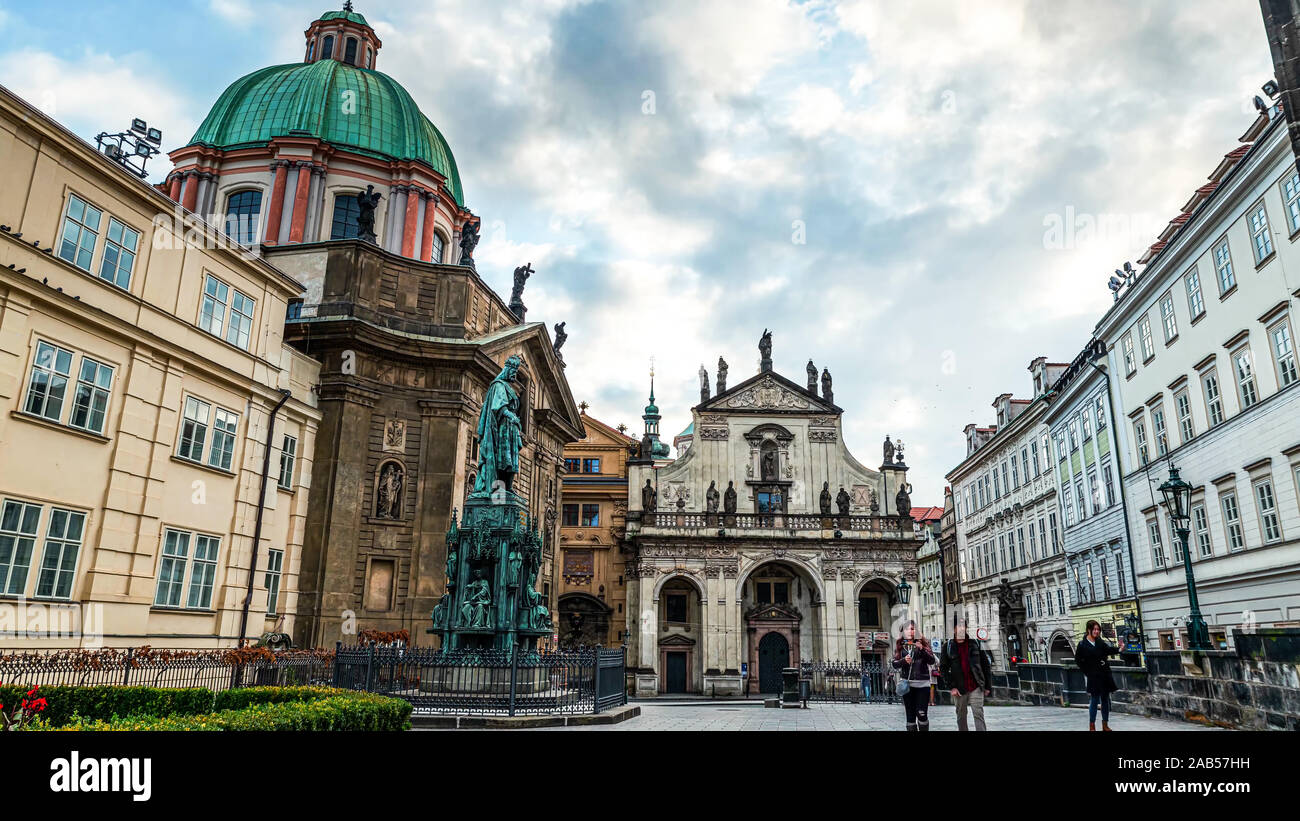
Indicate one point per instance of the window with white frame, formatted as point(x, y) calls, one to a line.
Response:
point(1109, 482)
point(1042, 537)
point(18, 528)
point(1261, 238)
point(288, 452)
point(1085, 423)
point(1213, 401)
point(47, 387)
point(1060, 599)
point(1291, 196)
point(194, 429)
point(1244, 366)
point(1223, 267)
point(274, 567)
point(1183, 407)
point(1105, 579)
point(1033, 454)
point(1094, 492)
point(1056, 533)
point(1100, 407)
point(1157, 546)
point(1148, 345)
point(1015, 471)
point(1069, 507)
point(1073, 431)
point(1033, 542)
point(63, 535)
point(1177, 544)
point(1130, 360)
point(1279, 337)
point(226, 312)
point(1140, 437)
point(1269, 525)
point(1195, 300)
point(80, 232)
point(1078, 496)
point(1167, 317)
point(1201, 529)
point(176, 569)
point(1024, 462)
point(1232, 520)
point(119, 254)
point(224, 424)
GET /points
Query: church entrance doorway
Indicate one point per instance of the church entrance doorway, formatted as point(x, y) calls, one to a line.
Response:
point(675, 673)
point(773, 657)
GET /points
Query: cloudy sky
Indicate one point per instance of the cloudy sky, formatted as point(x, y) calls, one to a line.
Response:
point(874, 181)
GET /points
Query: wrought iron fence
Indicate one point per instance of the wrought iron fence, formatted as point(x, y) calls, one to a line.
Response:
point(849, 681)
point(153, 667)
point(487, 682)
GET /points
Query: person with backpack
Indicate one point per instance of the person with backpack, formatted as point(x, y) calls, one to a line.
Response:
point(965, 668)
point(913, 659)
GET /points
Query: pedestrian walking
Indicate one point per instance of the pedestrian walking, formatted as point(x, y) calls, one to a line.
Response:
point(913, 659)
point(1091, 656)
point(965, 668)
point(866, 681)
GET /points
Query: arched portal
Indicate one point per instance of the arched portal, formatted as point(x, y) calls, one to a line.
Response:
point(583, 622)
point(779, 598)
point(1060, 649)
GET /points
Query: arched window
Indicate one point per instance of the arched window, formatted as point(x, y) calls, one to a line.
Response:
point(346, 211)
point(350, 52)
point(242, 211)
point(327, 50)
point(311, 49)
point(370, 58)
point(435, 255)
point(390, 482)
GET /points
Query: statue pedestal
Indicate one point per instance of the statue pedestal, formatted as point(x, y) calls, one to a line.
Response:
point(493, 557)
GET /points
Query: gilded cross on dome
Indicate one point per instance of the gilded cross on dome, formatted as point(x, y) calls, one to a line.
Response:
point(582, 406)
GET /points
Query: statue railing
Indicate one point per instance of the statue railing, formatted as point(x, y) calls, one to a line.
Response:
point(678, 520)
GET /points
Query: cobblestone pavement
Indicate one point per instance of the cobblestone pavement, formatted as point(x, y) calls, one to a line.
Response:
point(741, 716)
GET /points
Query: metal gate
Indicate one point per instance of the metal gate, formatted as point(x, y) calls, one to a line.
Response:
point(848, 681)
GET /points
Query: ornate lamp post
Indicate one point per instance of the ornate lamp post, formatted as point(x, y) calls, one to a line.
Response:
point(1178, 496)
point(904, 591)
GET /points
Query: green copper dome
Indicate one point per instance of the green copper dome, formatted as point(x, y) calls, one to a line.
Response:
point(313, 99)
point(350, 16)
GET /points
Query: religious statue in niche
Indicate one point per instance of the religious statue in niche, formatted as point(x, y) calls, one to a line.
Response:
point(824, 501)
point(395, 436)
point(768, 465)
point(499, 431)
point(711, 497)
point(842, 501)
point(729, 498)
point(388, 496)
point(478, 602)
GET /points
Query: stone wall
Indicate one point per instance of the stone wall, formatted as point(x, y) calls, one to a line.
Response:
point(1256, 687)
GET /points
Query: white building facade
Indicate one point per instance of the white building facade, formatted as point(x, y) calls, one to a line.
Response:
point(1201, 348)
point(1009, 546)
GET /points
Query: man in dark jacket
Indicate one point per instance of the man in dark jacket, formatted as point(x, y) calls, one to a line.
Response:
point(965, 668)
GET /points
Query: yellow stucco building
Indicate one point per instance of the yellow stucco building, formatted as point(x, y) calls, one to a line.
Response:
point(141, 362)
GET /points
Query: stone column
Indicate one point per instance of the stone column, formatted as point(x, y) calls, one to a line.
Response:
point(174, 191)
point(410, 223)
point(647, 621)
point(426, 237)
point(190, 194)
point(831, 609)
point(281, 169)
point(298, 223)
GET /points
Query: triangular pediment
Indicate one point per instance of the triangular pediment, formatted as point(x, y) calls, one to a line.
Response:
point(677, 640)
point(778, 612)
point(599, 433)
point(767, 393)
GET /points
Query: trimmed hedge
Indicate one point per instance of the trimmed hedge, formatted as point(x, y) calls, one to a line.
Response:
point(251, 708)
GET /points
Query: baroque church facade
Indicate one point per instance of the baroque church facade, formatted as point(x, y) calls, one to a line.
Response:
point(766, 544)
point(343, 184)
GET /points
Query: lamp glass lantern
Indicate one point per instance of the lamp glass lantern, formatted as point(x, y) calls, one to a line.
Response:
point(904, 592)
point(1178, 495)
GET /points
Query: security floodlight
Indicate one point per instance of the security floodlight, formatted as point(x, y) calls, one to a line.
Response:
point(1270, 88)
point(1260, 105)
point(154, 136)
point(139, 125)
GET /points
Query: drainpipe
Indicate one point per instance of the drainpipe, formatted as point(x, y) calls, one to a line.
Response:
point(261, 508)
point(1123, 500)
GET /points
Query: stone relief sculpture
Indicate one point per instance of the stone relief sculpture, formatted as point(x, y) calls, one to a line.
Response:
point(729, 498)
point(711, 497)
point(395, 436)
point(499, 433)
point(388, 497)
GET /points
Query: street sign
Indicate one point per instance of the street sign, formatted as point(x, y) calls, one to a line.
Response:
point(982, 634)
point(934, 645)
point(744, 669)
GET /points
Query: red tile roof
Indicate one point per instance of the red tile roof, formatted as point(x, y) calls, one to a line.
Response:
point(927, 514)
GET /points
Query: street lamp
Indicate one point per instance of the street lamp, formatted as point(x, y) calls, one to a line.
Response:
point(1178, 496)
point(904, 592)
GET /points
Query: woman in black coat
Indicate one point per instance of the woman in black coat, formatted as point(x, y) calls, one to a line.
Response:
point(1091, 656)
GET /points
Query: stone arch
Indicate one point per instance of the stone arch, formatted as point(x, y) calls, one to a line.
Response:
point(1059, 635)
point(814, 575)
point(876, 577)
point(679, 574)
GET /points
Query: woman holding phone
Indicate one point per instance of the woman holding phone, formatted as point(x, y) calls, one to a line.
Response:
point(913, 660)
point(1092, 657)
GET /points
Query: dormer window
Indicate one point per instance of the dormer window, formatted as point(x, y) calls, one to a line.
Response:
point(327, 50)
